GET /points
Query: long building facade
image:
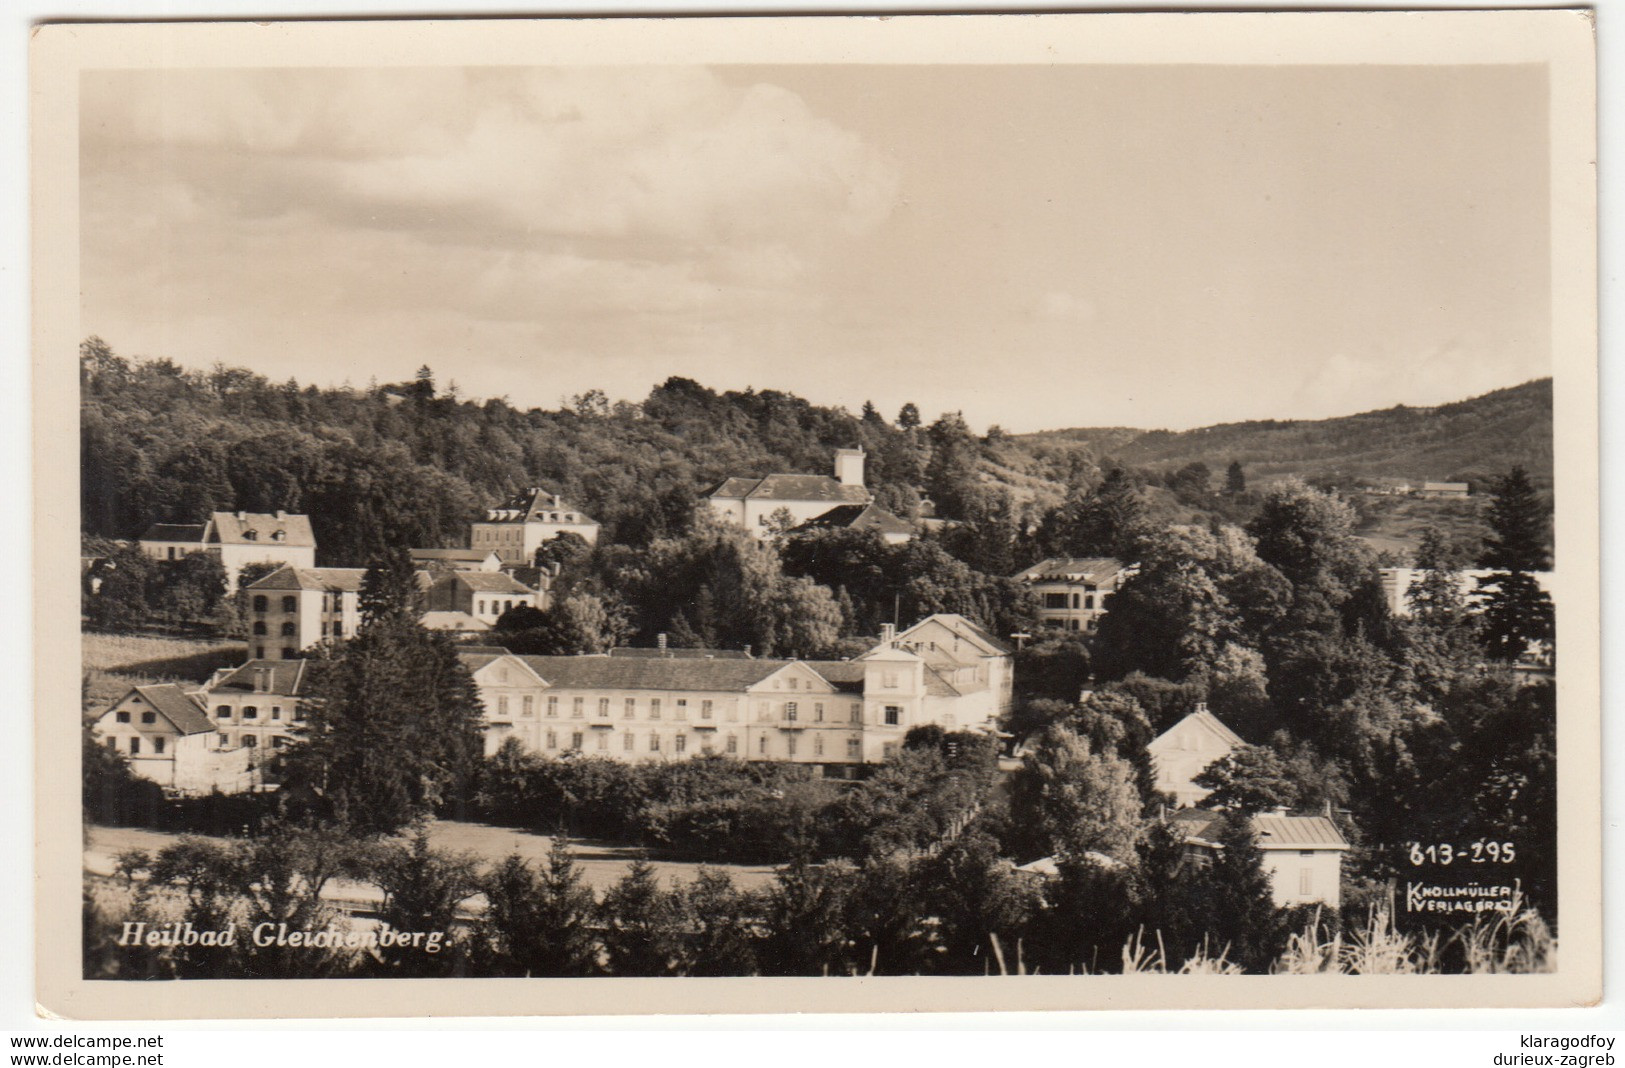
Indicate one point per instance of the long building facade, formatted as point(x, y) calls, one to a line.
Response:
point(838, 715)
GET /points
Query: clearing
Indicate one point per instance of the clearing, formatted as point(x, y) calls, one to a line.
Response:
point(602, 863)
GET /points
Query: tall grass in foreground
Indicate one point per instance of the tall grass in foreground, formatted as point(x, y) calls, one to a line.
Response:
point(1513, 942)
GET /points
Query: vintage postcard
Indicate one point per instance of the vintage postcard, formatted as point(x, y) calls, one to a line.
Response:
point(944, 513)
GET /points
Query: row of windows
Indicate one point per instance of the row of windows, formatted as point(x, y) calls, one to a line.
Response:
point(135, 744)
point(253, 712)
point(251, 741)
point(891, 715)
point(497, 607)
point(1058, 600)
point(288, 652)
point(146, 717)
point(289, 604)
point(679, 744)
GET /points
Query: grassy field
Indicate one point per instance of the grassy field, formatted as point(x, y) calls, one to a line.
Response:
point(112, 663)
point(1395, 524)
point(602, 863)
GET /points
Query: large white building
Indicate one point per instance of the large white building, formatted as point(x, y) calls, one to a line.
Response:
point(515, 529)
point(753, 502)
point(1072, 591)
point(834, 714)
point(238, 539)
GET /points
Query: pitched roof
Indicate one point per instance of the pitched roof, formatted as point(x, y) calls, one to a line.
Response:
point(966, 630)
point(936, 685)
point(175, 705)
point(1274, 831)
point(845, 675)
point(1074, 569)
point(458, 621)
point(482, 650)
point(470, 556)
point(674, 653)
point(187, 532)
point(535, 505)
point(1297, 832)
point(488, 582)
point(636, 673)
point(791, 488)
point(285, 677)
point(858, 517)
point(329, 579)
point(1208, 720)
point(235, 528)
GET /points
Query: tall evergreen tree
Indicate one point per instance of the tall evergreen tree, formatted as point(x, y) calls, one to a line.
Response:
point(1235, 479)
point(395, 722)
point(1518, 526)
point(1517, 612)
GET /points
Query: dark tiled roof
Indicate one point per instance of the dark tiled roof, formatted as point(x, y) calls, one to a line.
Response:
point(534, 506)
point(937, 686)
point(173, 704)
point(859, 517)
point(329, 579)
point(176, 532)
point(1074, 569)
point(470, 556)
point(635, 673)
point(488, 582)
point(286, 677)
point(792, 488)
point(845, 675)
point(680, 654)
point(233, 528)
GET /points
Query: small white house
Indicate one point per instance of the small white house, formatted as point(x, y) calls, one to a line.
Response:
point(164, 735)
point(1303, 855)
point(1185, 750)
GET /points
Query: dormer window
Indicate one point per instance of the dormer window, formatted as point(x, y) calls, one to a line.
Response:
point(280, 535)
point(251, 535)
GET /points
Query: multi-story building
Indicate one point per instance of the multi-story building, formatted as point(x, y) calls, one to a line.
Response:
point(1072, 592)
point(293, 608)
point(238, 538)
point(481, 595)
point(515, 529)
point(165, 736)
point(257, 705)
point(753, 502)
point(977, 666)
point(833, 714)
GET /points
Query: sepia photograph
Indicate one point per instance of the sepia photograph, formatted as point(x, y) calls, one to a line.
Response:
point(1003, 512)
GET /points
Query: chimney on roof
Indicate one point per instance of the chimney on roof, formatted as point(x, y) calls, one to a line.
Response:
point(281, 515)
point(888, 634)
point(1201, 706)
point(849, 467)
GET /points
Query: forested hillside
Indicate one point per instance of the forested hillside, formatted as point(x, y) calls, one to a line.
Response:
point(408, 464)
point(1469, 441)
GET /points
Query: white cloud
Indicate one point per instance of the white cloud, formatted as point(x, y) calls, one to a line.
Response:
point(592, 202)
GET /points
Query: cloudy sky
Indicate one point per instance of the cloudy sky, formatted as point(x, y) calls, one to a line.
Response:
point(1035, 246)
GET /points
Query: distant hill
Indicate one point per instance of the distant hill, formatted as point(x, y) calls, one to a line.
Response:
point(1469, 441)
